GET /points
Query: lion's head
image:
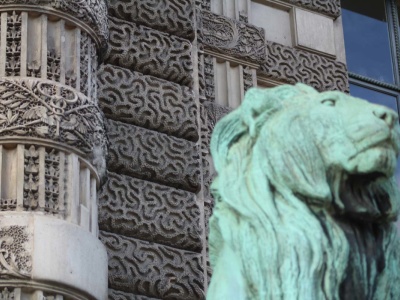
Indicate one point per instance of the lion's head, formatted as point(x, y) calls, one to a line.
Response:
point(296, 170)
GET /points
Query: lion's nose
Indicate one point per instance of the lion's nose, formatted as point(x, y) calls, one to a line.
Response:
point(386, 114)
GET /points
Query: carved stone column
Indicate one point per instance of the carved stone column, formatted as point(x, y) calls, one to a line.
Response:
point(52, 148)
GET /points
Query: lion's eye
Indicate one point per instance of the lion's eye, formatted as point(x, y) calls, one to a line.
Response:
point(329, 102)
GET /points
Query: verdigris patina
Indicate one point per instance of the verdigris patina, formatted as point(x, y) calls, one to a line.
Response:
point(305, 198)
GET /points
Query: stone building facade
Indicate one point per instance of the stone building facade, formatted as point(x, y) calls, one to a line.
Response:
point(106, 112)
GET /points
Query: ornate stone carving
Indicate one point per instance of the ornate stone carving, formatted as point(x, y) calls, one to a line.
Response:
point(91, 12)
point(148, 102)
point(15, 261)
point(13, 47)
point(153, 156)
point(228, 36)
point(7, 294)
point(44, 109)
point(291, 65)
point(150, 212)
point(153, 270)
point(172, 16)
point(53, 65)
point(247, 78)
point(118, 295)
point(52, 178)
point(328, 7)
point(150, 52)
point(209, 78)
point(31, 178)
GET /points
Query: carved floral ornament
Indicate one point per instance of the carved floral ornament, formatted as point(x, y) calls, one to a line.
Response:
point(93, 13)
point(44, 109)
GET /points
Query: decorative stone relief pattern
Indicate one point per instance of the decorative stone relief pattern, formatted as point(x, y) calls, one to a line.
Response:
point(150, 212)
point(91, 12)
point(52, 177)
point(53, 65)
point(328, 7)
point(118, 295)
point(235, 38)
point(15, 261)
point(247, 78)
point(148, 102)
point(150, 52)
point(153, 156)
point(31, 178)
point(209, 77)
point(13, 47)
point(291, 65)
point(93, 71)
point(172, 16)
point(84, 62)
point(153, 270)
point(7, 294)
point(44, 109)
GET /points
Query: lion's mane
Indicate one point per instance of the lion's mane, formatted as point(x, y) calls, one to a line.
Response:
point(280, 227)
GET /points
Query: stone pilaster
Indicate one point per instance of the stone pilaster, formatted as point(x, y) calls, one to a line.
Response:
point(52, 149)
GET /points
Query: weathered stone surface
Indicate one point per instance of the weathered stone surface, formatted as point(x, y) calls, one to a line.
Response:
point(153, 156)
point(172, 16)
point(153, 270)
point(328, 7)
point(291, 65)
point(151, 212)
point(147, 101)
point(234, 38)
point(150, 52)
point(118, 295)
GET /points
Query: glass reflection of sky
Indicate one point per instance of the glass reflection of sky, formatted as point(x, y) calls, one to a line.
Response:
point(378, 98)
point(367, 46)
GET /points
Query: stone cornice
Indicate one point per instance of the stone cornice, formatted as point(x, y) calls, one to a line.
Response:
point(92, 13)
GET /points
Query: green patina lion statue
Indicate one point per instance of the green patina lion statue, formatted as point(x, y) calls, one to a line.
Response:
point(305, 198)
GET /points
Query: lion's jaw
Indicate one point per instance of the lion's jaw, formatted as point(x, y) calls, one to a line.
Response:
point(371, 137)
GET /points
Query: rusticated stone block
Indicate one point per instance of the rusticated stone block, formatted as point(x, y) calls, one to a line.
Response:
point(118, 295)
point(232, 37)
point(291, 65)
point(172, 16)
point(153, 156)
point(150, 52)
point(151, 212)
point(148, 102)
point(153, 270)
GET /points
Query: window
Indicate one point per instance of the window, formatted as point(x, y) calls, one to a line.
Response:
point(371, 34)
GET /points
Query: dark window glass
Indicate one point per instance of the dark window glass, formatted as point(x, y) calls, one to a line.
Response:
point(367, 39)
point(374, 96)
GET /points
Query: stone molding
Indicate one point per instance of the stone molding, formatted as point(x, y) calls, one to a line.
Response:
point(172, 16)
point(151, 212)
point(118, 295)
point(327, 7)
point(232, 37)
point(290, 65)
point(92, 13)
point(153, 270)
